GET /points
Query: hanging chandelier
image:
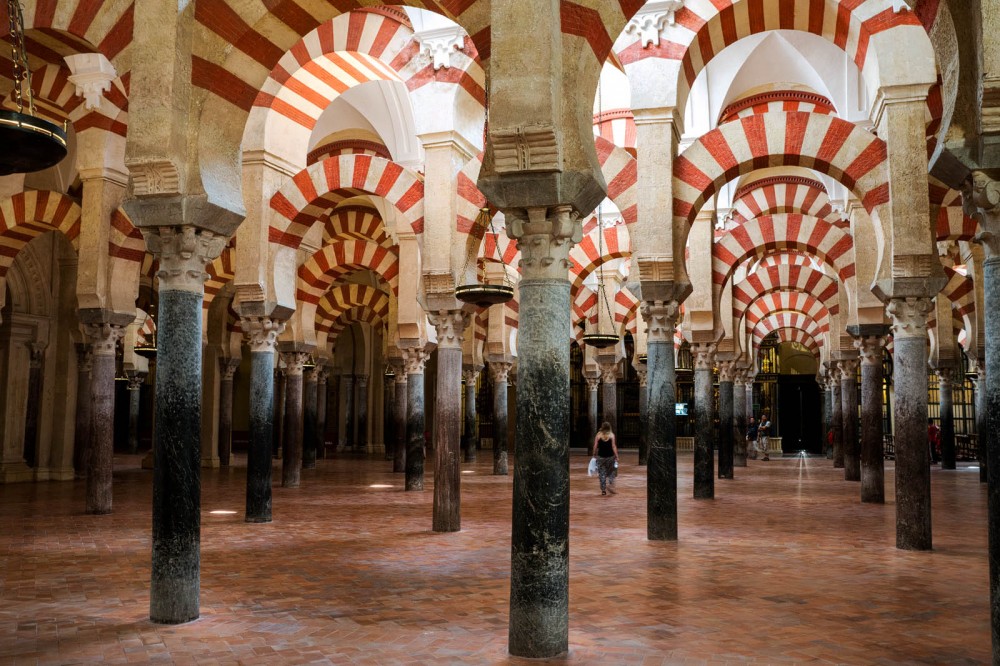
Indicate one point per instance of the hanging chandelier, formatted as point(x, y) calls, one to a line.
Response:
point(483, 294)
point(601, 340)
point(146, 345)
point(29, 143)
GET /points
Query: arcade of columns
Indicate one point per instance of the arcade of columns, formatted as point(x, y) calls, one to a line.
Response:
point(275, 235)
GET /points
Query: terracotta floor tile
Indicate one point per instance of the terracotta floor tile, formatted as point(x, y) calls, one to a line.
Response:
point(784, 566)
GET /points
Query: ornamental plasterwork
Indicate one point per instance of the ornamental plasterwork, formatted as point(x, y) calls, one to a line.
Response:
point(439, 44)
point(652, 19)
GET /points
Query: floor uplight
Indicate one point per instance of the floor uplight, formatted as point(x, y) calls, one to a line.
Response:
point(380, 485)
point(468, 471)
point(222, 512)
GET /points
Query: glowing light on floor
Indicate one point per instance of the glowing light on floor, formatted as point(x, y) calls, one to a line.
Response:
point(380, 485)
point(468, 471)
point(222, 512)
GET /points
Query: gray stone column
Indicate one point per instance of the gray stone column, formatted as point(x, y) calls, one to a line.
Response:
point(750, 383)
point(981, 421)
point(661, 473)
point(499, 371)
point(703, 354)
point(827, 385)
point(870, 348)
point(361, 412)
point(739, 418)
point(310, 381)
point(727, 453)
point(35, 363)
point(388, 401)
point(450, 326)
point(400, 420)
point(227, 367)
point(176, 564)
point(103, 339)
point(350, 422)
point(849, 418)
point(641, 371)
point(414, 360)
point(291, 457)
point(322, 398)
point(81, 437)
point(135, 381)
point(947, 411)
point(609, 389)
point(913, 478)
point(261, 335)
point(278, 432)
point(469, 375)
point(837, 415)
point(539, 576)
point(593, 385)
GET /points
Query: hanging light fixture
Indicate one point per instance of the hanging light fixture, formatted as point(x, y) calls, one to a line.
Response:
point(29, 143)
point(483, 294)
point(147, 346)
point(601, 340)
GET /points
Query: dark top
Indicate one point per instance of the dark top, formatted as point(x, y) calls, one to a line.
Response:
point(765, 428)
point(604, 449)
point(752, 432)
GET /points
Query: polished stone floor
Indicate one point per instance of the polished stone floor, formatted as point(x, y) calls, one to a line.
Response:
point(784, 566)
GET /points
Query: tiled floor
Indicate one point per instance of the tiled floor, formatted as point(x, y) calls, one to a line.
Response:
point(784, 566)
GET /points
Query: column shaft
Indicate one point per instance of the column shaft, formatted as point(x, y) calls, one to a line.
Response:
point(849, 396)
point(449, 326)
point(991, 432)
point(726, 444)
point(309, 395)
point(471, 435)
point(499, 372)
point(261, 408)
point(837, 421)
point(704, 439)
point(592, 402)
point(609, 388)
point(872, 454)
point(133, 415)
point(643, 414)
point(415, 430)
point(400, 422)
point(947, 410)
point(81, 436)
point(291, 458)
point(361, 412)
point(739, 421)
point(350, 421)
point(661, 378)
point(102, 416)
point(322, 397)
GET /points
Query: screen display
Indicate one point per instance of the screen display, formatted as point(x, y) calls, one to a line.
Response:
point(681, 409)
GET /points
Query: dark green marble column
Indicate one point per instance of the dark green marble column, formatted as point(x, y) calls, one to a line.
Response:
point(704, 414)
point(499, 371)
point(661, 473)
point(414, 359)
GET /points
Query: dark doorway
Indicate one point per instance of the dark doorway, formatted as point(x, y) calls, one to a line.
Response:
point(799, 419)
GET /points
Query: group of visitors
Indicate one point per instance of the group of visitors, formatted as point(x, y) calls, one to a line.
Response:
point(759, 436)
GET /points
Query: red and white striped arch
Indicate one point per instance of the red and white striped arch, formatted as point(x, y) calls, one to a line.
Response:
point(310, 194)
point(792, 258)
point(357, 315)
point(783, 194)
point(777, 100)
point(786, 231)
point(220, 272)
point(125, 241)
point(626, 310)
point(952, 222)
point(357, 223)
point(787, 301)
point(704, 28)
point(146, 332)
point(586, 257)
point(804, 338)
point(75, 26)
point(346, 297)
point(961, 291)
point(621, 173)
point(785, 277)
point(618, 127)
point(795, 321)
point(333, 261)
point(824, 143)
point(27, 215)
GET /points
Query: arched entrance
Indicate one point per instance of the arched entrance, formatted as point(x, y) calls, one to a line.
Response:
point(787, 389)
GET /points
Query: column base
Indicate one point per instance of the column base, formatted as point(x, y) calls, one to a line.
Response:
point(147, 460)
point(210, 463)
point(16, 472)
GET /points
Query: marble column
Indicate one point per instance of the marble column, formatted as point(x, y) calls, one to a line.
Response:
point(400, 420)
point(593, 385)
point(913, 478)
point(414, 360)
point(291, 457)
point(641, 371)
point(609, 390)
point(471, 433)
point(849, 418)
point(322, 398)
point(827, 385)
point(350, 424)
point(135, 381)
point(35, 363)
point(837, 415)
point(661, 473)
point(81, 437)
point(727, 453)
point(946, 409)
point(447, 513)
point(310, 381)
point(499, 371)
point(872, 456)
point(739, 418)
point(388, 402)
point(703, 354)
point(103, 339)
point(176, 563)
point(981, 421)
point(261, 335)
point(278, 433)
point(227, 368)
point(361, 412)
point(539, 571)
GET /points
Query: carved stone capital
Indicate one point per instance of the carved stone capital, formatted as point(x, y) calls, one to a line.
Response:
point(414, 360)
point(847, 369)
point(261, 333)
point(469, 375)
point(909, 316)
point(593, 383)
point(609, 373)
point(544, 236)
point(103, 338)
point(310, 374)
point(703, 354)
point(500, 371)
point(449, 326)
point(740, 376)
point(183, 253)
point(661, 319)
point(228, 366)
point(37, 354)
point(439, 44)
point(362, 382)
point(944, 377)
point(135, 380)
point(322, 373)
point(727, 371)
point(643, 376)
point(981, 200)
point(870, 349)
point(295, 362)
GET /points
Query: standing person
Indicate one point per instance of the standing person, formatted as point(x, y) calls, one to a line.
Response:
point(764, 434)
point(752, 438)
point(934, 441)
point(607, 458)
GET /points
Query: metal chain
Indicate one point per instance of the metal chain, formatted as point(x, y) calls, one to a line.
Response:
point(600, 268)
point(19, 55)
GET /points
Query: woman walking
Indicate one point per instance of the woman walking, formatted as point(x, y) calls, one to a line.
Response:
point(607, 458)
